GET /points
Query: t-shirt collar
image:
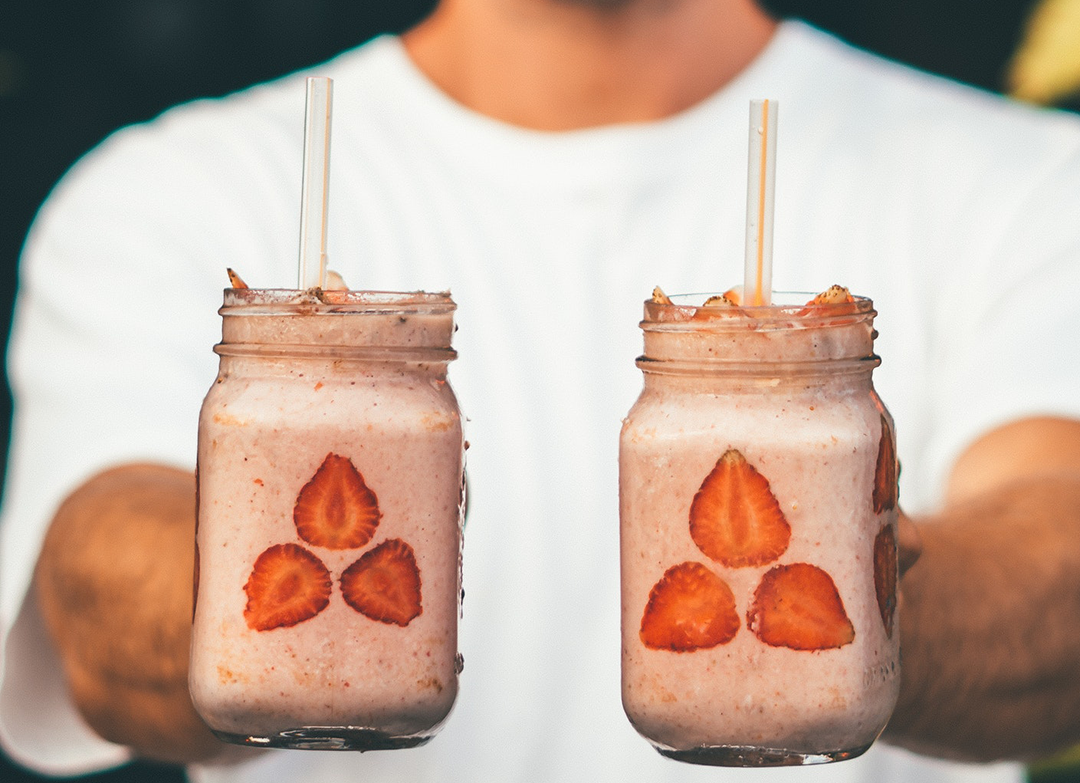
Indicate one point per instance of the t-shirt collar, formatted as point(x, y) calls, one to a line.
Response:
point(608, 154)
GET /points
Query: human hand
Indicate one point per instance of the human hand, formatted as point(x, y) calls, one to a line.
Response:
point(114, 583)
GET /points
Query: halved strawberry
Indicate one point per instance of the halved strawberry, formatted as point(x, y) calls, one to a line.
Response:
point(659, 297)
point(735, 518)
point(886, 489)
point(690, 608)
point(832, 296)
point(195, 575)
point(195, 583)
point(719, 306)
point(336, 509)
point(384, 584)
point(798, 606)
point(885, 575)
point(235, 280)
point(288, 585)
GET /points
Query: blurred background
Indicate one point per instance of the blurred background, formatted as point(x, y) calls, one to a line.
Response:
point(72, 71)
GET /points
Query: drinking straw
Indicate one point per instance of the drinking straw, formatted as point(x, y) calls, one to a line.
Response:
point(760, 181)
point(316, 183)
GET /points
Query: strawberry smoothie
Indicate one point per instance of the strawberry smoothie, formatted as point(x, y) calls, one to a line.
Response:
point(758, 513)
point(329, 522)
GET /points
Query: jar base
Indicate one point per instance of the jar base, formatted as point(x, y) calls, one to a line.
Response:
point(750, 756)
point(328, 738)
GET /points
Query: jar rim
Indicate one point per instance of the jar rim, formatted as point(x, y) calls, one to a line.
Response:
point(254, 301)
point(789, 310)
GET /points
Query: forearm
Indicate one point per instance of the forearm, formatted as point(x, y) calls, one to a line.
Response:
point(990, 626)
point(114, 583)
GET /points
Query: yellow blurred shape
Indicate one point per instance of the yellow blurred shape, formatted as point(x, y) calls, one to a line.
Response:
point(1046, 66)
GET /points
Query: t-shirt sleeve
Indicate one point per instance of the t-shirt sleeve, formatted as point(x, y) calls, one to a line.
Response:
point(111, 347)
point(109, 358)
point(1006, 346)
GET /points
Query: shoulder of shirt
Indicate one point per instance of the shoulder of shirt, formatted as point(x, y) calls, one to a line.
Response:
point(230, 166)
point(203, 135)
point(886, 92)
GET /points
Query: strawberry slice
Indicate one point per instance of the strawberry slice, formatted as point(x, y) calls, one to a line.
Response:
point(719, 306)
point(690, 608)
point(825, 302)
point(735, 518)
point(235, 280)
point(834, 294)
point(384, 584)
point(885, 575)
point(798, 606)
point(195, 574)
point(288, 585)
point(336, 509)
point(659, 297)
point(886, 489)
point(195, 584)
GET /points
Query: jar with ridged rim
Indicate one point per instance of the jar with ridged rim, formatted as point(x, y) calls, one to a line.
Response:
point(758, 506)
point(330, 507)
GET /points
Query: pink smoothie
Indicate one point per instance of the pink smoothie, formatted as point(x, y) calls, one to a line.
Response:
point(792, 394)
point(363, 378)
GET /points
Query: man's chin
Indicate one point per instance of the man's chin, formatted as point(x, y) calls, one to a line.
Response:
point(599, 5)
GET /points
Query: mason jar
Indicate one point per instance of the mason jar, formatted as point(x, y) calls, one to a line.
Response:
point(329, 539)
point(758, 495)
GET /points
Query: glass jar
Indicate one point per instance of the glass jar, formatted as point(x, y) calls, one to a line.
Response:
point(328, 548)
point(758, 535)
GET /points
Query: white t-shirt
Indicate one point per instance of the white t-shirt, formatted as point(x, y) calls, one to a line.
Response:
point(956, 212)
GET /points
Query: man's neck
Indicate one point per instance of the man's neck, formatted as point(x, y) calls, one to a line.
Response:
point(560, 65)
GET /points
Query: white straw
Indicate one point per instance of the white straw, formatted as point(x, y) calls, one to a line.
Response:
point(760, 181)
point(316, 184)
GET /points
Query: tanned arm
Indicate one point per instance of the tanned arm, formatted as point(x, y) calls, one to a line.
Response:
point(114, 583)
point(990, 623)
